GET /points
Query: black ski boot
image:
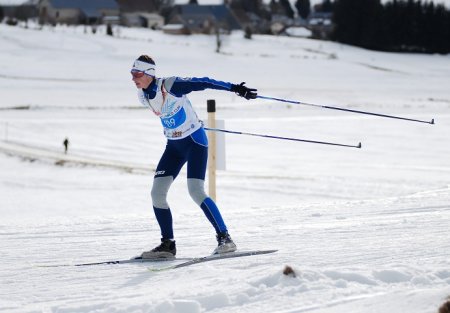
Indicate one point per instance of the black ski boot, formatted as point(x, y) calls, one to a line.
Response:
point(167, 249)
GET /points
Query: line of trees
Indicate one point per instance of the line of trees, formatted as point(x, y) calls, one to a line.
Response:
point(398, 25)
point(303, 8)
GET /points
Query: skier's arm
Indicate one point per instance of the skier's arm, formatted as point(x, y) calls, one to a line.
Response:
point(181, 86)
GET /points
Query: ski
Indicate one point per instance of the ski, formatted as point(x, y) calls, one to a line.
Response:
point(212, 257)
point(134, 260)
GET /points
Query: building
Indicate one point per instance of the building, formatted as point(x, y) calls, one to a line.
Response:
point(321, 25)
point(176, 29)
point(77, 11)
point(133, 6)
point(204, 18)
point(21, 10)
point(142, 19)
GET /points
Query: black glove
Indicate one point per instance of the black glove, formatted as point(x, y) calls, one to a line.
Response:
point(241, 90)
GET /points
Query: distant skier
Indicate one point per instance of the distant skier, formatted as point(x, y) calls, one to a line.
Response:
point(186, 142)
point(66, 145)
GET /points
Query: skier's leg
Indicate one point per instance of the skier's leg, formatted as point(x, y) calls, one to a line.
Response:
point(196, 171)
point(167, 170)
point(161, 208)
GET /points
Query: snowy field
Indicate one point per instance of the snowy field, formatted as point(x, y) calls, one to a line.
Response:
point(313, 2)
point(365, 230)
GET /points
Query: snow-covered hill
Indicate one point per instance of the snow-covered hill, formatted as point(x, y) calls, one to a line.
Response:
point(365, 230)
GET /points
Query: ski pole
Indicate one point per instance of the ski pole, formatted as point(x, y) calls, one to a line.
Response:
point(347, 110)
point(282, 138)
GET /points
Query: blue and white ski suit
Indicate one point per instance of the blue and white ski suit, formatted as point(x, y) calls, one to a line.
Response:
point(186, 143)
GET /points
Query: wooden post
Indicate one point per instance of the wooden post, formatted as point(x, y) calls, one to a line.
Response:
point(211, 108)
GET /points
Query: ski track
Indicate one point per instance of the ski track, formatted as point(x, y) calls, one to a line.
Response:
point(320, 266)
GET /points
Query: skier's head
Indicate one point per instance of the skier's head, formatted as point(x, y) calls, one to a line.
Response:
point(143, 71)
point(144, 64)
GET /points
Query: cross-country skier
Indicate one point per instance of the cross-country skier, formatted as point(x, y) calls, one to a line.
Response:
point(186, 143)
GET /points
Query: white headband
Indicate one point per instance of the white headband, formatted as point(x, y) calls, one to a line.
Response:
point(145, 67)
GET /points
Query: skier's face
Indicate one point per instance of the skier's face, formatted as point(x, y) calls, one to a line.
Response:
point(141, 80)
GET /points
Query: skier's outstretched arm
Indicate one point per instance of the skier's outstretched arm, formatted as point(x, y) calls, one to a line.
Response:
point(180, 86)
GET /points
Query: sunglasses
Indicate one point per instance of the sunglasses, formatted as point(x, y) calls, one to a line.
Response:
point(137, 74)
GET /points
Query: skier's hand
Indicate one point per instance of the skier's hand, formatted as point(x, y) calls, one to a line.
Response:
point(243, 91)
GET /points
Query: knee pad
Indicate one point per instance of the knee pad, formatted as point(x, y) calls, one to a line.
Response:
point(196, 189)
point(160, 189)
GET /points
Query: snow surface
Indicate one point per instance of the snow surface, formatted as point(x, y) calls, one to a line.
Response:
point(365, 230)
